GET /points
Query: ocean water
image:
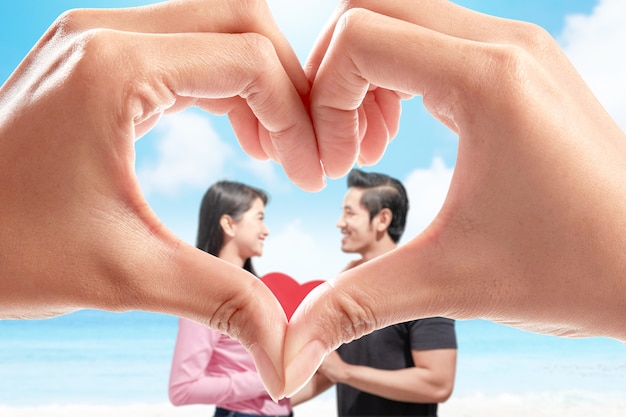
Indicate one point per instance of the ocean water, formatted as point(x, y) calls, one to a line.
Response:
point(88, 357)
point(93, 358)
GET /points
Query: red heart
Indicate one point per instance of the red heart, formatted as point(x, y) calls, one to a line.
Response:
point(288, 291)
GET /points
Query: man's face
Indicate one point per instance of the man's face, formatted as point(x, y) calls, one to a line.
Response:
point(354, 223)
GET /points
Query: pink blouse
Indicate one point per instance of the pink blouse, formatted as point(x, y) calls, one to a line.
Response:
point(211, 368)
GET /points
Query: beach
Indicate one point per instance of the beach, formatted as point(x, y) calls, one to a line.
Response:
point(102, 364)
point(536, 405)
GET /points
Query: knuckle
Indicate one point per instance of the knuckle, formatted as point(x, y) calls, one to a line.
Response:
point(70, 22)
point(350, 24)
point(261, 64)
point(89, 52)
point(248, 12)
point(96, 56)
point(356, 318)
point(73, 60)
point(354, 4)
point(260, 47)
point(509, 66)
point(533, 38)
point(225, 317)
point(352, 37)
point(233, 315)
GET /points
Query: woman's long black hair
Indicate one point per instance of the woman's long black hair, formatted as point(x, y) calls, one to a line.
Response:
point(224, 197)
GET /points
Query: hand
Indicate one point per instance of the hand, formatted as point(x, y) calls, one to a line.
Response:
point(532, 231)
point(75, 231)
point(333, 367)
point(517, 240)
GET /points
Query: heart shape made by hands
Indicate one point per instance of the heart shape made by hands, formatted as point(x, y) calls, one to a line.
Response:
point(288, 291)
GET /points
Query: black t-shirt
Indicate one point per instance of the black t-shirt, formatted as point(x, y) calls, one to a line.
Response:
point(390, 348)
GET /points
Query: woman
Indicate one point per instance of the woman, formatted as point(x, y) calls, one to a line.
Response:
point(209, 367)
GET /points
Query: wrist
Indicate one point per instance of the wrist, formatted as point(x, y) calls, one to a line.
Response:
point(346, 374)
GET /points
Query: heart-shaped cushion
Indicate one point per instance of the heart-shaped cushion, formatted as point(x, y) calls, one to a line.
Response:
point(288, 291)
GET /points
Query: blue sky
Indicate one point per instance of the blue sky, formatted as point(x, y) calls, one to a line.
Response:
point(186, 152)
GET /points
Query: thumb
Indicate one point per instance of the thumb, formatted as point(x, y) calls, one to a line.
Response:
point(235, 302)
point(376, 294)
point(175, 278)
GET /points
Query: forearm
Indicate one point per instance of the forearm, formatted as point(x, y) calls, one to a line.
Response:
point(418, 385)
point(318, 384)
point(217, 389)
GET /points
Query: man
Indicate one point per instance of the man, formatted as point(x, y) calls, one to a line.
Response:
point(401, 370)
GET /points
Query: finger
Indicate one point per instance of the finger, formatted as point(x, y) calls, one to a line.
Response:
point(246, 127)
point(187, 16)
point(451, 19)
point(254, 141)
point(223, 297)
point(439, 15)
point(260, 80)
point(293, 145)
point(171, 277)
point(376, 135)
point(370, 49)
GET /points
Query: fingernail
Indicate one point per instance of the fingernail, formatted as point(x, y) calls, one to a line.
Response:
point(303, 366)
point(268, 373)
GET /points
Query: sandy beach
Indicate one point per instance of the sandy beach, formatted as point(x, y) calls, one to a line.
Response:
point(97, 364)
point(535, 405)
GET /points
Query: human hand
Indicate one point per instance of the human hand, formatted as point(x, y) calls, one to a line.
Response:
point(531, 232)
point(75, 231)
point(333, 367)
point(476, 259)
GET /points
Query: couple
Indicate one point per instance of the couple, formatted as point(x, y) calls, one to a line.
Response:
point(404, 369)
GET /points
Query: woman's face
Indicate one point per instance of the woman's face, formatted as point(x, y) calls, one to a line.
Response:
point(250, 230)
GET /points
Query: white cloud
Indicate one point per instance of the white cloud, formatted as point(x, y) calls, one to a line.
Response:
point(189, 154)
point(303, 254)
point(595, 45)
point(427, 190)
point(266, 172)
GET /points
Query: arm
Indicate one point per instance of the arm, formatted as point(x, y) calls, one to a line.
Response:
point(316, 385)
point(430, 381)
point(189, 381)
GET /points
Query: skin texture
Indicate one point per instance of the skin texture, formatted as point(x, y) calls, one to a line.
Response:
point(75, 231)
point(531, 233)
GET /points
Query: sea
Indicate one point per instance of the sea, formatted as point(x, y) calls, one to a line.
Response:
point(99, 363)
